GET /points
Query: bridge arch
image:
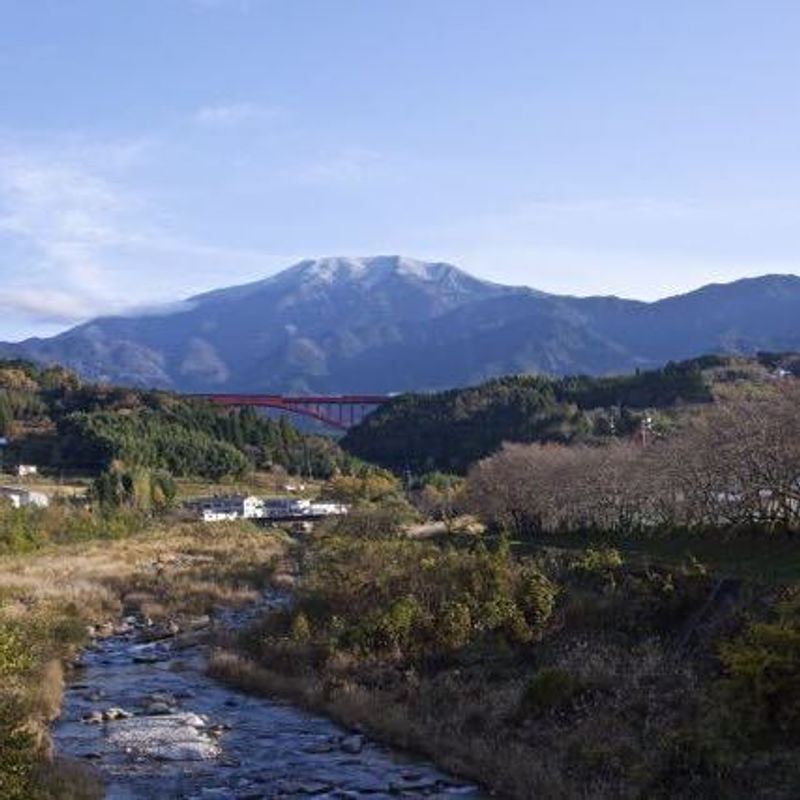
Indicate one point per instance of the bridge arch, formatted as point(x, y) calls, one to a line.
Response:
point(336, 411)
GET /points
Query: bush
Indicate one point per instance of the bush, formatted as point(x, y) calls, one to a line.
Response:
point(550, 689)
point(300, 630)
point(412, 599)
point(762, 682)
point(537, 597)
point(24, 530)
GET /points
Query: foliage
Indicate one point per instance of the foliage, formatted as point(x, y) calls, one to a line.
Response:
point(415, 600)
point(451, 430)
point(140, 489)
point(25, 706)
point(734, 465)
point(24, 530)
point(60, 422)
point(762, 680)
point(549, 689)
point(599, 568)
point(6, 416)
point(368, 486)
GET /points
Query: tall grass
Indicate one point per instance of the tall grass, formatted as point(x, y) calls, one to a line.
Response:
point(50, 596)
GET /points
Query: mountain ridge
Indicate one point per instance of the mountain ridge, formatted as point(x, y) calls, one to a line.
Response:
point(391, 323)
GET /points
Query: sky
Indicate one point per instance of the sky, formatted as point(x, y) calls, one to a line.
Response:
point(154, 149)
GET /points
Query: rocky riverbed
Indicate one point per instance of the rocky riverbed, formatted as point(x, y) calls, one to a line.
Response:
point(142, 710)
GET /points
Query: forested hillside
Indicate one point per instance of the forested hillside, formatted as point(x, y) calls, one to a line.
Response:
point(54, 420)
point(451, 430)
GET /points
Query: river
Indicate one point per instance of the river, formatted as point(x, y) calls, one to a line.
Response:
point(147, 716)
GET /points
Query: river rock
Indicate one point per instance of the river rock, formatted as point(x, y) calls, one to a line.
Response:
point(352, 744)
point(173, 738)
point(419, 784)
point(183, 641)
point(161, 697)
point(112, 714)
point(159, 709)
point(147, 658)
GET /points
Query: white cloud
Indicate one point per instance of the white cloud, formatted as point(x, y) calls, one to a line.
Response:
point(234, 115)
point(77, 242)
point(49, 306)
point(351, 165)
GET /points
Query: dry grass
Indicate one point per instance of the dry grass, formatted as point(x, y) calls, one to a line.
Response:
point(259, 483)
point(183, 569)
point(64, 779)
point(407, 720)
point(624, 715)
point(53, 596)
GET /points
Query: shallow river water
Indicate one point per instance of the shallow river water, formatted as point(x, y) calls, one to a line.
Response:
point(189, 736)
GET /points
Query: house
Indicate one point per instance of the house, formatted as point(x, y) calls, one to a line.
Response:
point(22, 498)
point(227, 507)
point(26, 470)
point(221, 508)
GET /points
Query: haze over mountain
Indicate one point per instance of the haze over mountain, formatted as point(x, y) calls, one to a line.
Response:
point(389, 323)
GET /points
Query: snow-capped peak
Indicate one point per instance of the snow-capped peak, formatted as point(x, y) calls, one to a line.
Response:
point(370, 269)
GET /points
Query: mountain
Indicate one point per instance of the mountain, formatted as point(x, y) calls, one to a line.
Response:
point(387, 323)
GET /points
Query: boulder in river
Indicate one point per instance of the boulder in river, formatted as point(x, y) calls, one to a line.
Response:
point(173, 738)
point(112, 714)
point(352, 744)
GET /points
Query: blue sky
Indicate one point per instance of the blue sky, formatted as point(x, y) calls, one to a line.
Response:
point(152, 149)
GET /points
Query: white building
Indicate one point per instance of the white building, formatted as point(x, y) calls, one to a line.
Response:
point(22, 498)
point(222, 508)
point(227, 507)
point(328, 509)
point(25, 470)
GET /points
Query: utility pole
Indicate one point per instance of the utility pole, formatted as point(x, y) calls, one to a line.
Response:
point(645, 429)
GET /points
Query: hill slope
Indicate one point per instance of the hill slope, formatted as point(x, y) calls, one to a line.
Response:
point(389, 324)
point(451, 430)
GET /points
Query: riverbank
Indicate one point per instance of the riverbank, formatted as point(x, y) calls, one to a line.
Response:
point(558, 675)
point(53, 602)
point(143, 711)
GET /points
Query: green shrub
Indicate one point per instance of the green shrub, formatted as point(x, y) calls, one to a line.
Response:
point(537, 597)
point(417, 599)
point(300, 630)
point(762, 683)
point(454, 625)
point(599, 568)
point(550, 689)
point(392, 629)
point(15, 652)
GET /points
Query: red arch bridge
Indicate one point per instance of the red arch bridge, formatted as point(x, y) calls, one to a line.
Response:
point(337, 411)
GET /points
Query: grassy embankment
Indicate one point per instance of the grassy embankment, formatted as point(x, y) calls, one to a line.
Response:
point(49, 596)
point(557, 673)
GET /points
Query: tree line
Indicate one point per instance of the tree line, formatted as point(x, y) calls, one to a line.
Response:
point(61, 422)
point(449, 431)
point(735, 463)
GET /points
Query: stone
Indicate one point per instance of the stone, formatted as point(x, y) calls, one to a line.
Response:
point(184, 641)
point(320, 747)
point(111, 714)
point(173, 738)
point(352, 744)
point(420, 784)
point(216, 793)
point(161, 697)
point(159, 709)
point(146, 658)
point(93, 718)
